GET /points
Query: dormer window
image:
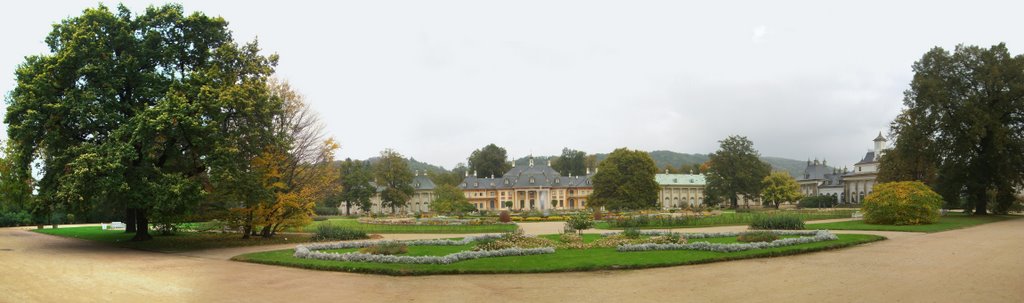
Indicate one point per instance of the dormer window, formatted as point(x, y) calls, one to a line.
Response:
point(531, 180)
point(476, 184)
point(506, 181)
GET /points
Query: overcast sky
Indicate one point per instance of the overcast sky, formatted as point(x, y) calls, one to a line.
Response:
point(436, 79)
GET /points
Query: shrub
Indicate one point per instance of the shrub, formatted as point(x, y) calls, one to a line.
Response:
point(326, 211)
point(902, 203)
point(757, 236)
point(320, 218)
point(385, 248)
point(15, 218)
point(329, 231)
point(816, 202)
point(514, 239)
point(769, 221)
point(631, 233)
point(505, 216)
point(579, 222)
point(212, 225)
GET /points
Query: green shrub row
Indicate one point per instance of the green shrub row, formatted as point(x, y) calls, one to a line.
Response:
point(777, 222)
point(331, 231)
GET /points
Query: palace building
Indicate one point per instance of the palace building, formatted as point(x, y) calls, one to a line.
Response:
point(848, 187)
point(528, 187)
point(680, 190)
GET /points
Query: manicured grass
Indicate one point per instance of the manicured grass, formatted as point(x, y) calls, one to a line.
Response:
point(947, 222)
point(182, 241)
point(728, 218)
point(414, 229)
point(562, 260)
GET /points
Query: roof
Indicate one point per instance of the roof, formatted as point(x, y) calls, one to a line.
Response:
point(526, 177)
point(879, 138)
point(815, 171)
point(422, 182)
point(869, 157)
point(680, 179)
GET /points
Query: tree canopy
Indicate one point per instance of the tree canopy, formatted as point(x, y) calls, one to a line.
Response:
point(356, 189)
point(393, 174)
point(571, 162)
point(779, 187)
point(625, 181)
point(449, 200)
point(735, 169)
point(961, 127)
point(490, 160)
point(137, 112)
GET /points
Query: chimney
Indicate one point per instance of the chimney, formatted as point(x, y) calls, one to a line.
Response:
point(467, 173)
point(588, 170)
point(531, 161)
point(824, 162)
point(474, 173)
point(666, 171)
point(549, 163)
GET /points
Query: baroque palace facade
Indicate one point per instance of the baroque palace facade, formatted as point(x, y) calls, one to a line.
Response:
point(540, 187)
point(847, 187)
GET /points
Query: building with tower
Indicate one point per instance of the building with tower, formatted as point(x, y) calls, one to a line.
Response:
point(846, 186)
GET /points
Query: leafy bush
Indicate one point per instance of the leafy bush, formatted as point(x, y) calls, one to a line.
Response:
point(210, 226)
point(757, 236)
point(320, 218)
point(631, 233)
point(329, 231)
point(385, 248)
point(505, 217)
point(902, 203)
point(777, 222)
point(816, 202)
point(15, 218)
point(579, 222)
point(326, 211)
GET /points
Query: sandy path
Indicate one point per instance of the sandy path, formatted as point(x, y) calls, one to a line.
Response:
point(979, 264)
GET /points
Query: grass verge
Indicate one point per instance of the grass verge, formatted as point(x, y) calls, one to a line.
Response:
point(563, 260)
point(181, 241)
point(947, 222)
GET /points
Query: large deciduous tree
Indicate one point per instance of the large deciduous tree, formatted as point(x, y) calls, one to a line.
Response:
point(134, 111)
point(735, 169)
point(625, 181)
point(779, 187)
point(571, 162)
point(450, 200)
point(962, 125)
point(490, 160)
point(394, 176)
point(356, 189)
point(295, 173)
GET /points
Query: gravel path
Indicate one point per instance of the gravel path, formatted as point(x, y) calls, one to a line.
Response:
point(978, 264)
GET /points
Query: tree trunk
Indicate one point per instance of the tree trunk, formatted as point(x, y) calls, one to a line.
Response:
point(265, 232)
point(980, 204)
point(246, 231)
point(129, 220)
point(141, 226)
point(348, 207)
point(734, 201)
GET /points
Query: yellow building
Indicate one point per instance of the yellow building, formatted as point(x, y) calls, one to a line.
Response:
point(528, 187)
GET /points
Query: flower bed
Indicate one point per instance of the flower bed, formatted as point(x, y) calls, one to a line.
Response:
point(818, 236)
point(305, 253)
point(361, 244)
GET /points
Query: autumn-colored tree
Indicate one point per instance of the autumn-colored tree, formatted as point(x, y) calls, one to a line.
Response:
point(779, 187)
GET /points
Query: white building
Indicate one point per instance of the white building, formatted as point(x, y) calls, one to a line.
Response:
point(849, 187)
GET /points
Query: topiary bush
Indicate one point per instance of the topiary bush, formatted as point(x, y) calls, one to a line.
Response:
point(774, 221)
point(385, 248)
point(902, 203)
point(816, 202)
point(504, 217)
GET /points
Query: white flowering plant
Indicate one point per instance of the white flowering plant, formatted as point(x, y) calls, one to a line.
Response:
point(810, 237)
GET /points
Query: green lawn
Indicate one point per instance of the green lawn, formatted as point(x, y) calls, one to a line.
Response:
point(947, 222)
point(414, 229)
point(182, 241)
point(729, 218)
point(562, 260)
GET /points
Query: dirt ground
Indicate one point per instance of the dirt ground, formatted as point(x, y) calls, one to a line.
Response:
point(979, 264)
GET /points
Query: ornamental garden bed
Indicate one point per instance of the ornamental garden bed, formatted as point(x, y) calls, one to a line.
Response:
point(947, 222)
point(550, 253)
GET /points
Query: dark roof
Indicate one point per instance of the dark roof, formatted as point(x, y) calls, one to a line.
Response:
point(869, 157)
point(879, 138)
point(815, 171)
point(525, 177)
point(423, 183)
